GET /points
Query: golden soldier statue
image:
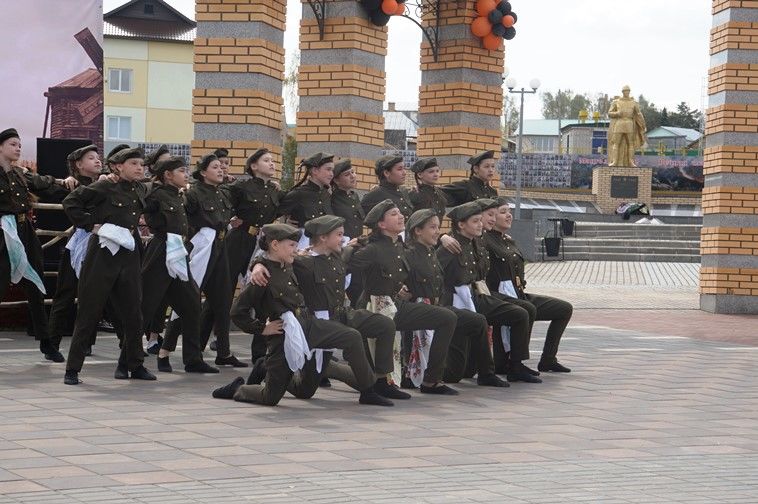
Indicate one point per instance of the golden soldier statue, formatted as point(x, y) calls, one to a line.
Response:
point(627, 130)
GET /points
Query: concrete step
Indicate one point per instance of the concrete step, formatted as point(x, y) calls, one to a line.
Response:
point(599, 249)
point(639, 235)
point(612, 256)
point(631, 242)
point(599, 230)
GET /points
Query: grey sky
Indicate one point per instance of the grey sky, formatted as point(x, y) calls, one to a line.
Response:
point(659, 48)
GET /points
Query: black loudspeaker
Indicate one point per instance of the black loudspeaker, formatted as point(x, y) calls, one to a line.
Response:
point(51, 160)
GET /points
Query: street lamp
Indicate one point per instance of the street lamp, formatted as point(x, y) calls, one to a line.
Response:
point(511, 84)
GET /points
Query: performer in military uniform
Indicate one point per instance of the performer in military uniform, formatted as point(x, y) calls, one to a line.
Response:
point(321, 275)
point(226, 162)
point(310, 197)
point(111, 267)
point(381, 261)
point(483, 171)
point(291, 331)
point(208, 213)
point(426, 281)
point(506, 275)
point(465, 287)
point(427, 172)
point(390, 170)
point(161, 284)
point(151, 159)
point(20, 249)
point(345, 201)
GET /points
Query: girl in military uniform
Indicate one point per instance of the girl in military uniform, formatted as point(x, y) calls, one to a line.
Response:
point(111, 267)
point(291, 331)
point(166, 278)
point(425, 282)
point(345, 201)
point(427, 172)
point(20, 249)
point(208, 213)
point(390, 170)
point(483, 172)
point(506, 276)
point(311, 196)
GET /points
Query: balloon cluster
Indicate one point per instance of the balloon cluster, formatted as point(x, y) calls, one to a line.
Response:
point(494, 22)
point(380, 11)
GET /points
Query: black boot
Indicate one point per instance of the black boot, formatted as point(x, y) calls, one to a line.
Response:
point(491, 380)
point(122, 372)
point(389, 390)
point(407, 383)
point(141, 373)
point(228, 391)
point(372, 398)
point(231, 360)
point(55, 356)
point(200, 367)
point(530, 370)
point(71, 378)
point(519, 372)
point(438, 389)
point(555, 367)
point(164, 366)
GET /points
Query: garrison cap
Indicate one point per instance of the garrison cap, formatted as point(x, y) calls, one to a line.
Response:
point(323, 225)
point(377, 213)
point(424, 164)
point(419, 218)
point(9, 133)
point(125, 154)
point(318, 159)
point(464, 211)
point(502, 200)
point(280, 232)
point(80, 152)
point(385, 163)
point(169, 164)
point(152, 158)
point(475, 160)
point(119, 147)
point(487, 203)
point(342, 166)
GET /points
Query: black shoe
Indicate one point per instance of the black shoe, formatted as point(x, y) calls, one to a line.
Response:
point(55, 356)
point(228, 391)
point(491, 381)
point(372, 398)
point(519, 373)
point(164, 366)
point(153, 348)
point(71, 378)
point(105, 326)
point(438, 389)
point(530, 370)
point(88, 351)
point(258, 373)
point(122, 372)
point(213, 346)
point(231, 360)
point(407, 383)
point(555, 367)
point(200, 367)
point(325, 382)
point(388, 390)
point(141, 373)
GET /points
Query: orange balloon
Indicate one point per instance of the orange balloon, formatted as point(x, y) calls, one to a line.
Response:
point(400, 9)
point(389, 7)
point(484, 7)
point(508, 21)
point(491, 42)
point(481, 26)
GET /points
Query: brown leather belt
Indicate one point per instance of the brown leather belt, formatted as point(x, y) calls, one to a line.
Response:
point(20, 218)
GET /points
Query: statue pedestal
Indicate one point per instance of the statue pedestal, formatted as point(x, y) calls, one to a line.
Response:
point(613, 185)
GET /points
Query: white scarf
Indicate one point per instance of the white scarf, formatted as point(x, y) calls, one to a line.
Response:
point(19, 263)
point(506, 288)
point(77, 246)
point(296, 349)
point(462, 298)
point(176, 262)
point(114, 237)
point(202, 244)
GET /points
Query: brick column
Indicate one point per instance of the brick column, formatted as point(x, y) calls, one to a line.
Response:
point(239, 67)
point(341, 85)
point(461, 95)
point(729, 248)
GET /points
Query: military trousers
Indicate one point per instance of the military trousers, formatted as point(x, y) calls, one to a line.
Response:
point(470, 341)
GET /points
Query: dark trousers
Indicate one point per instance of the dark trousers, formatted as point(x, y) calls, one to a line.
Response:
point(239, 245)
point(159, 289)
point(557, 311)
point(320, 334)
point(500, 313)
point(115, 279)
point(379, 328)
point(469, 341)
point(63, 311)
point(417, 316)
point(35, 298)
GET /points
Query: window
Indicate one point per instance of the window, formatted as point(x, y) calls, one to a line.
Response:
point(119, 128)
point(120, 80)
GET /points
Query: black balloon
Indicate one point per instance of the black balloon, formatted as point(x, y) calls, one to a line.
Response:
point(509, 33)
point(515, 17)
point(499, 30)
point(504, 7)
point(495, 17)
point(379, 18)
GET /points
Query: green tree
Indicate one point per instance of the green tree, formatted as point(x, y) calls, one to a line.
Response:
point(665, 121)
point(685, 118)
point(511, 115)
point(601, 104)
point(650, 112)
point(564, 104)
